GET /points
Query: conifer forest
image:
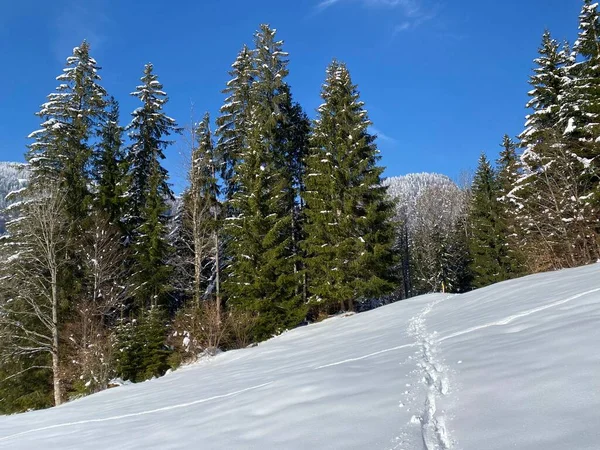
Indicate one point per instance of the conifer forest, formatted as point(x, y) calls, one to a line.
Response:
point(107, 275)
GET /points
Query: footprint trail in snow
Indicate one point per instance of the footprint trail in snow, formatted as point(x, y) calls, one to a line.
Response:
point(435, 380)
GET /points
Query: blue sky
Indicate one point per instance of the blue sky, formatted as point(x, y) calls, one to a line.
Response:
point(443, 80)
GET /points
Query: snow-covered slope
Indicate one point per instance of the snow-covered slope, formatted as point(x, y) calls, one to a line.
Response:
point(515, 365)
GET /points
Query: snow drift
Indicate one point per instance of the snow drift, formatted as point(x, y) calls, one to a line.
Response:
point(514, 365)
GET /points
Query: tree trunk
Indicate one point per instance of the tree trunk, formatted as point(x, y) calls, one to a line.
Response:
point(350, 305)
point(55, 347)
point(56, 377)
point(295, 251)
point(217, 251)
point(217, 274)
point(197, 251)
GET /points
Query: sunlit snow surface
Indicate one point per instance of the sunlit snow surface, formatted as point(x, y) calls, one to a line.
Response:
point(515, 365)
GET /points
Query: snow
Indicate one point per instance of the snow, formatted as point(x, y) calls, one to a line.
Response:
point(514, 365)
point(12, 182)
point(570, 126)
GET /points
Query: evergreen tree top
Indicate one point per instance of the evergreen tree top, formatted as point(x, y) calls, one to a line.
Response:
point(549, 82)
point(588, 41)
point(150, 91)
point(508, 155)
point(548, 76)
point(205, 151)
point(147, 130)
point(72, 118)
point(270, 65)
point(340, 95)
point(150, 115)
point(264, 40)
point(484, 171)
point(203, 131)
point(242, 75)
point(79, 88)
point(237, 90)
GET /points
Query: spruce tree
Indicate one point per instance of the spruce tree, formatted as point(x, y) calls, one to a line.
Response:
point(349, 235)
point(63, 147)
point(233, 122)
point(547, 94)
point(295, 132)
point(581, 116)
point(261, 276)
point(491, 261)
point(149, 190)
point(555, 190)
point(584, 124)
point(155, 353)
point(508, 165)
point(141, 347)
point(508, 173)
point(110, 166)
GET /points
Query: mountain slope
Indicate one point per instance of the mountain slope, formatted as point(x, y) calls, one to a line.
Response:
point(514, 365)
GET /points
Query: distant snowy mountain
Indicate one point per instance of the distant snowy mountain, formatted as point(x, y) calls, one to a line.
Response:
point(513, 365)
point(13, 176)
point(446, 203)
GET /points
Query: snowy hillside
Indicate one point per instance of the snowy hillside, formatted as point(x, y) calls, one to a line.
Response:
point(514, 365)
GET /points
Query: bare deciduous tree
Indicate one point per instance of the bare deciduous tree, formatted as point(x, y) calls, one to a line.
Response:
point(29, 311)
point(106, 290)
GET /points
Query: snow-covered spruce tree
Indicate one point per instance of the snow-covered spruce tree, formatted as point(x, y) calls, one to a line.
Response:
point(556, 182)
point(149, 190)
point(261, 275)
point(491, 261)
point(234, 118)
point(72, 116)
point(582, 118)
point(554, 212)
point(349, 234)
point(110, 167)
point(507, 167)
point(507, 175)
point(547, 94)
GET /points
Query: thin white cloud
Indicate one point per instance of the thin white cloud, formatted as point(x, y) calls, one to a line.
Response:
point(382, 136)
point(408, 5)
point(412, 12)
point(327, 3)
